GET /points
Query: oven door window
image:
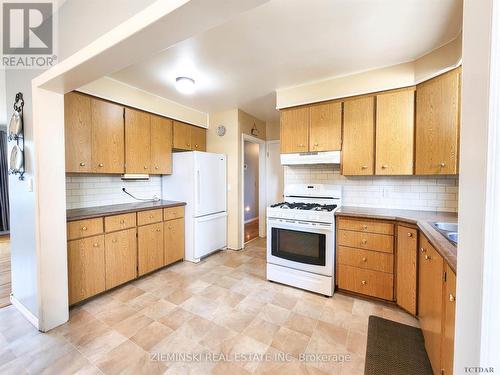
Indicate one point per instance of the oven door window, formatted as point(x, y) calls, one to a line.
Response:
point(303, 247)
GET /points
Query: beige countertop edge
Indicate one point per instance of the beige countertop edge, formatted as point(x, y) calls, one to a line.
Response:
point(117, 209)
point(422, 219)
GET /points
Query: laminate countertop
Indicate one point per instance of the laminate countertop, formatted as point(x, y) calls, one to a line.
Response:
point(422, 219)
point(115, 209)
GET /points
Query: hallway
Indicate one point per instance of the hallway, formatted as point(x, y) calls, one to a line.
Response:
point(4, 271)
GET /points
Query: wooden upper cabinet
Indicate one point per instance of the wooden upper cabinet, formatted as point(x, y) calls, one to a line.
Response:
point(198, 139)
point(406, 269)
point(161, 145)
point(430, 300)
point(78, 132)
point(182, 136)
point(359, 136)
point(108, 139)
point(448, 339)
point(437, 125)
point(394, 133)
point(294, 130)
point(137, 141)
point(325, 127)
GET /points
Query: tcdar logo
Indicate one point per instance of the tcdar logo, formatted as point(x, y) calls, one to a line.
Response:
point(28, 35)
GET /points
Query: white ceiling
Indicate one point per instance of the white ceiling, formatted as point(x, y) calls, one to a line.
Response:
point(284, 43)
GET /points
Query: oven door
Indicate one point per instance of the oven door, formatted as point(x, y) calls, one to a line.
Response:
point(304, 246)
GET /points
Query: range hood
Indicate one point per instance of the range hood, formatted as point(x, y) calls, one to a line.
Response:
point(327, 157)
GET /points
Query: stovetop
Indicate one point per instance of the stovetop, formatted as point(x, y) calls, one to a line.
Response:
point(305, 206)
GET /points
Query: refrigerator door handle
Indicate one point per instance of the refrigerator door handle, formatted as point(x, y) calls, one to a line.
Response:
point(198, 192)
point(211, 217)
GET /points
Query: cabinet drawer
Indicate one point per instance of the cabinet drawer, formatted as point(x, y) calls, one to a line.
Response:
point(363, 281)
point(84, 228)
point(149, 217)
point(173, 213)
point(372, 260)
point(119, 222)
point(369, 226)
point(367, 241)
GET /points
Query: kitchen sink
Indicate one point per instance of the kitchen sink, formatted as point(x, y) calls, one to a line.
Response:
point(448, 230)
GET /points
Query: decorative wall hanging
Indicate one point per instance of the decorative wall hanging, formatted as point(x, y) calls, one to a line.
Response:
point(16, 134)
point(221, 130)
point(255, 131)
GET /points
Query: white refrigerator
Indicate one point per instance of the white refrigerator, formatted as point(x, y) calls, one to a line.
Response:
point(199, 179)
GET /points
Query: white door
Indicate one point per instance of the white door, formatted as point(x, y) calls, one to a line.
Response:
point(274, 173)
point(210, 183)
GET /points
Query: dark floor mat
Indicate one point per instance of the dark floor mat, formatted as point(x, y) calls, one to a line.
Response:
point(395, 349)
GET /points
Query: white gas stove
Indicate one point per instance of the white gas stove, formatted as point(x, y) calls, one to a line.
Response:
point(301, 237)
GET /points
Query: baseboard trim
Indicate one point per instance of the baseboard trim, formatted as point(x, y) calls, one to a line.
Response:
point(25, 312)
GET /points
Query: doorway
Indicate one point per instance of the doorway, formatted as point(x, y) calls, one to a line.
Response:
point(5, 279)
point(253, 192)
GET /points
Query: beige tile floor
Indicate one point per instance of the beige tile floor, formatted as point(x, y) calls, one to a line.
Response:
point(222, 306)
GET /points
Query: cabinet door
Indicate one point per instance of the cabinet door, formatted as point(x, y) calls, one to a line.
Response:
point(394, 134)
point(437, 125)
point(77, 132)
point(137, 141)
point(108, 138)
point(359, 132)
point(174, 240)
point(161, 145)
point(326, 127)
point(406, 288)
point(198, 138)
point(86, 268)
point(294, 130)
point(150, 248)
point(121, 257)
point(430, 300)
point(449, 321)
point(182, 136)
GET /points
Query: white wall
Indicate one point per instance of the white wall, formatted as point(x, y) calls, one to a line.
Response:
point(477, 329)
point(251, 183)
point(428, 193)
point(89, 191)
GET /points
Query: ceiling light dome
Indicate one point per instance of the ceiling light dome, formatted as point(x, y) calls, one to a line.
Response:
point(184, 85)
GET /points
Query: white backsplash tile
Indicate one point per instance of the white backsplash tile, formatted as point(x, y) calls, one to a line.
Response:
point(429, 193)
point(89, 191)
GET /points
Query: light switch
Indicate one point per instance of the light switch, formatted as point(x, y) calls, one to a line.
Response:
point(29, 184)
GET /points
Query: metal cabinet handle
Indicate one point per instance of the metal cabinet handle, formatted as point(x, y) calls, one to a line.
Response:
point(427, 257)
point(151, 216)
point(113, 240)
point(365, 227)
point(384, 166)
point(410, 234)
point(422, 250)
point(101, 165)
point(364, 167)
point(363, 282)
point(158, 229)
point(96, 245)
point(82, 164)
point(145, 167)
point(364, 242)
point(364, 259)
point(442, 165)
point(195, 146)
point(451, 298)
point(122, 221)
point(156, 167)
point(84, 228)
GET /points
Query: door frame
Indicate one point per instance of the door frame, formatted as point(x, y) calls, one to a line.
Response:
point(275, 141)
point(262, 186)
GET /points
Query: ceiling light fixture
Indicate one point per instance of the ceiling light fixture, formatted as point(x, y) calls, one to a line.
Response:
point(184, 85)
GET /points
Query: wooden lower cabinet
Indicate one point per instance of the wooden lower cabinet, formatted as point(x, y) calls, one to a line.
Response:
point(430, 300)
point(174, 240)
point(448, 337)
point(86, 268)
point(406, 269)
point(121, 257)
point(363, 281)
point(150, 248)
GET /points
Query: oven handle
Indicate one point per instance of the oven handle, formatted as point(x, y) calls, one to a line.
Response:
point(299, 224)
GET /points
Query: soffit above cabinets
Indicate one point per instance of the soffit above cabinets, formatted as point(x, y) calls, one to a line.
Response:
point(284, 43)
